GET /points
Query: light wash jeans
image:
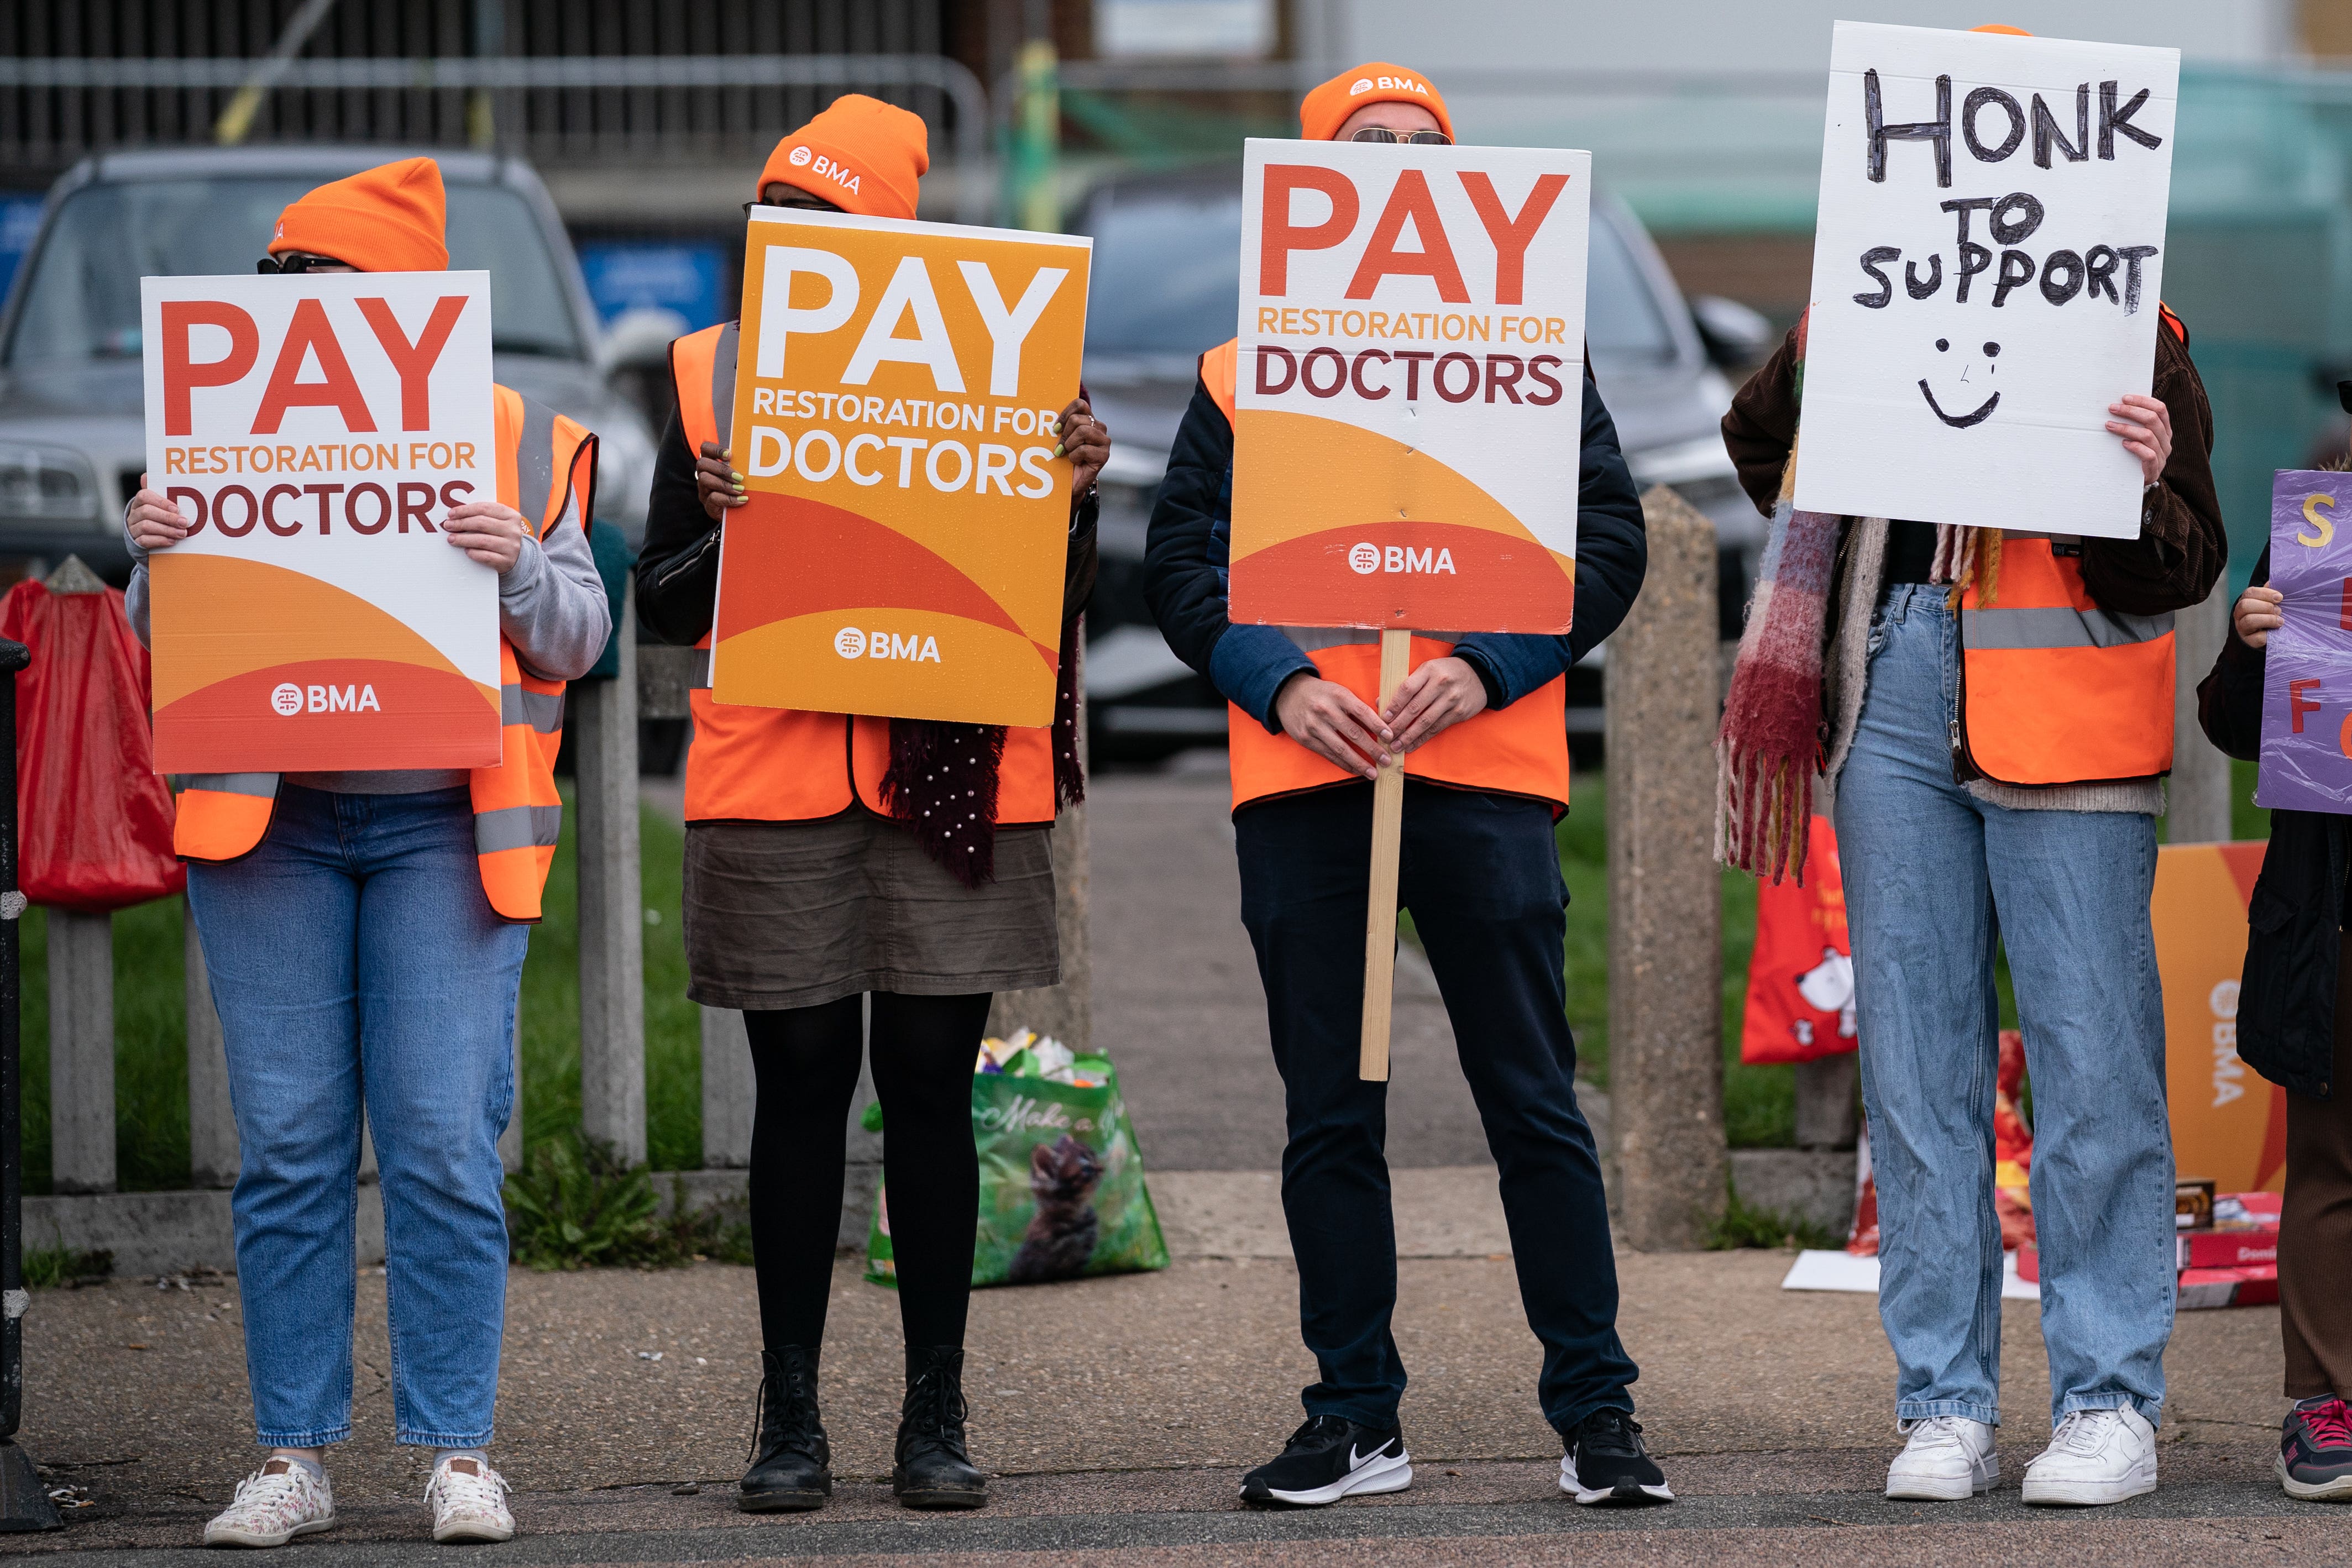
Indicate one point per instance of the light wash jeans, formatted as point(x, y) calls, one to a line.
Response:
point(354, 954)
point(1926, 865)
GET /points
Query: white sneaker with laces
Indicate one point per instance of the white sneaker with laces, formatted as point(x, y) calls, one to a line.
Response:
point(2095, 1457)
point(273, 1505)
point(469, 1502)
point(1950, 1459)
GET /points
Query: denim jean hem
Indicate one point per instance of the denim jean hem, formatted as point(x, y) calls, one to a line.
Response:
point(2152, 1411)
point(316, 1438)
point(446, 1439)
point(1577, 1414)
point(1929, 1410)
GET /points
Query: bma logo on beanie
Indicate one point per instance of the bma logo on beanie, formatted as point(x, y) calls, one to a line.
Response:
point(1362, 85)
point(800, 156)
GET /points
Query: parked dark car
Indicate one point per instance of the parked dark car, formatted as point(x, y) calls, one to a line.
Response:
point(1167, 274)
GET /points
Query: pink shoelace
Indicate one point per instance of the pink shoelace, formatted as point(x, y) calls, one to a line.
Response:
point(2330, 1424)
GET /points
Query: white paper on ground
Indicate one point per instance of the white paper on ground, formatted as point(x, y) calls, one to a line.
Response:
point(1991, 413)
point(1820, 1269)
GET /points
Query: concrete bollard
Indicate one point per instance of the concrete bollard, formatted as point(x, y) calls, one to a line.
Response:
point(726, 1091)
point(81, 1052)
point(1828, 1110)
point(612, 904)
point(1064, 1011)
point(2196, 797)
point(1665, 909)
point(212, 1123)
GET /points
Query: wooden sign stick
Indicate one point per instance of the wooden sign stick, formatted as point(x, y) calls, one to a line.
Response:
point(1379, 918)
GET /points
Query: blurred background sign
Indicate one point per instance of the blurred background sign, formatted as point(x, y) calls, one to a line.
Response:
point(681, 277)
point(1235, 29)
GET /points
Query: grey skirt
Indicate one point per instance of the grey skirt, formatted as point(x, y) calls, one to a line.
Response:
point(793, 914)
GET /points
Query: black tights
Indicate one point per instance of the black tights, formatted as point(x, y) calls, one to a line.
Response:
point(806, 1060)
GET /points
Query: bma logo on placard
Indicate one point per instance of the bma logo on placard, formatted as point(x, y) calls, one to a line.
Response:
point(851, 643)
point(1367, 558)
point(286, 699)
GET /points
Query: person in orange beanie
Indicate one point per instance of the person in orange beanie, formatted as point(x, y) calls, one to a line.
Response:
point(810, 892)
point(365, 935)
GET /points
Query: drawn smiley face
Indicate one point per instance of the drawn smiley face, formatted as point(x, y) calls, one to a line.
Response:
point(1983, 410)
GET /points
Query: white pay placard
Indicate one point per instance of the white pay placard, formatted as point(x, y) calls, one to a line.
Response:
point(316, 430)
point(1986, 274)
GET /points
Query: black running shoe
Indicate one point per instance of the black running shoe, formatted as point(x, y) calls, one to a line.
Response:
point(1607, 1465)
point(1327, 1458)
point(2315, 1461)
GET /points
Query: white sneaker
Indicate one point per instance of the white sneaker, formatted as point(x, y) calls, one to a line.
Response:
point(274, 1504)
point(1950, 1459)
point(2095, 1457)
point(469, 1502)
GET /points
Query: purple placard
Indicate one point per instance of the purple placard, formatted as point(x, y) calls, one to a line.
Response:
point(2307, 757)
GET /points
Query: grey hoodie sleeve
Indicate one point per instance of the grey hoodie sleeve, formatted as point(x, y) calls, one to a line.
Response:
point(551, 604)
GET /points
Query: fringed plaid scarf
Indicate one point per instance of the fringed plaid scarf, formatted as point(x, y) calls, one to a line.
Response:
point(942, 779)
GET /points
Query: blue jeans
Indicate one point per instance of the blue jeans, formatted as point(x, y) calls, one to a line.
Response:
point(1927, 866)
point(353, 955)
point(1481, 874)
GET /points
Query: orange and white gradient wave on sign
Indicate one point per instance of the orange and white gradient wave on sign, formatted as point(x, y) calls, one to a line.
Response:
point(245, 688)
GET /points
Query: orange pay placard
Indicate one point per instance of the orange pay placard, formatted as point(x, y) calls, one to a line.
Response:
point(316, 430)
point(1409, 398)
point(896, 399)
point(2229, 1122)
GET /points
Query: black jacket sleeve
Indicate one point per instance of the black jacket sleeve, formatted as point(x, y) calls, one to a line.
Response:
point(1185, 551)
point(2229, 700)
point(1613, 548)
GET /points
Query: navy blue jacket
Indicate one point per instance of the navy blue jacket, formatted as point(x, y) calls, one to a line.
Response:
point(1188, 551)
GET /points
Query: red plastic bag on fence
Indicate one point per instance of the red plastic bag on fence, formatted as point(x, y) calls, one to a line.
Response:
point(94, 819)
point(1800, 975)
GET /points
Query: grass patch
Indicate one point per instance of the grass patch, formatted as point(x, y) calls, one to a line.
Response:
point(1743, 1226)
point(576, 1205)
point(54, 1266)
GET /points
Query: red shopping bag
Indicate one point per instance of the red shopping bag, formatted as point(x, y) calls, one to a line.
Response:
point(1800, 975)
point(94, 819)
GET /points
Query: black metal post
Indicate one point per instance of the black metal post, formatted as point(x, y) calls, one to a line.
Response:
point(23, 1502)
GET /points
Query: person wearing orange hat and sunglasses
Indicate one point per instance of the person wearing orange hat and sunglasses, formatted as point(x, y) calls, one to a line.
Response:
point(1480, 870)
point(822, 879)
point(365, 934)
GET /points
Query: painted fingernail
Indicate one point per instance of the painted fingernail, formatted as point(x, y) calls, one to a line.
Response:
point(1057, 449)
point(737, 477)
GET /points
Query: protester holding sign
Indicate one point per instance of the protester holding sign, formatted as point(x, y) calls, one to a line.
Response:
point(1478, 723)
point(831, 857)
point(2294, 1026)
point(1994, 712)
point(364, 930)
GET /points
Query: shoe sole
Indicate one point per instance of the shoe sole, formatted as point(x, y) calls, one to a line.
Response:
point(2087, 1494)
point(1936, 1488)
point(474, 1532)
point(248, 1539)
point(1381, 1474)
point(1624, 1494)
point(779, 1502)
point(2337, 1491)
point(937, 1499)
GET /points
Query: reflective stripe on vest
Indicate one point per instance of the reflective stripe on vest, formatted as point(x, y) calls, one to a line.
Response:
point(545, 463)
point(1521, 750)
point(2054, 689)
point(785, 764)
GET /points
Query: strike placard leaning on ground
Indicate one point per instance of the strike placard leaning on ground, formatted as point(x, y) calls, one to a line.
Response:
point(898, 387)
point(315, 431)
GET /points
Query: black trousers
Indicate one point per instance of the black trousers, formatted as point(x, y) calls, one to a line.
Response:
point(1481, 876)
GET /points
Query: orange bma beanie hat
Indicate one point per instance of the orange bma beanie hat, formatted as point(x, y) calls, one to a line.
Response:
point(861, 154)
point(386, 219)
point(1328, 106)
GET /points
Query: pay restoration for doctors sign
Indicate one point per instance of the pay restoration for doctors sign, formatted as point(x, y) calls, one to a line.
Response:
point(1986, 273)
point(1408, 393)
point(315, 431)
point(897, 400)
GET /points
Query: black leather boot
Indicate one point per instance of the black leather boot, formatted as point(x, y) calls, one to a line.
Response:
point(933, 1470)
point(788, 1451)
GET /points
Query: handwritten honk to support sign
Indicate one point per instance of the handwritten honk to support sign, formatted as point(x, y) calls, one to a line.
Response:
point(315, 431)
point(1986, 273)
point(896, 399)
point(2306, 751)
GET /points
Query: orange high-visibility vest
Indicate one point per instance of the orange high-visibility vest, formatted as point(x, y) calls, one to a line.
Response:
point(2054, 689)
point(546, 462)
point(783, 765)
point(1521, 750)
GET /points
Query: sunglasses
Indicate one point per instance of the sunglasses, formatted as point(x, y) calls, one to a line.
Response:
point(292, 261)
point(1417, 138)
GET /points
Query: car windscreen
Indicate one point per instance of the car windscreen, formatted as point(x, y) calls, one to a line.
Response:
point(1167, 271)
point(81, 300)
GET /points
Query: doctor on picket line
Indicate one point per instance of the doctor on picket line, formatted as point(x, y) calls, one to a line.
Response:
point(2295, 1028)
point(364, 935)
point(1994, 712)
point(831, 858)
point(1481, 729)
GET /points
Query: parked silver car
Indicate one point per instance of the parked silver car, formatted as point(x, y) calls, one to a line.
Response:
point(1166, 272)
point(72, 433)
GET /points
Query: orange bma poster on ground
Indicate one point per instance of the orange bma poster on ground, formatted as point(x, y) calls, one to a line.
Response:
point(316, 430)
point(1410, 387)
point(897, 397)
point(2229, 1122)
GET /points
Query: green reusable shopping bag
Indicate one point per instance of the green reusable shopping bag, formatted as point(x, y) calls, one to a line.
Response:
point(1062, 1193)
